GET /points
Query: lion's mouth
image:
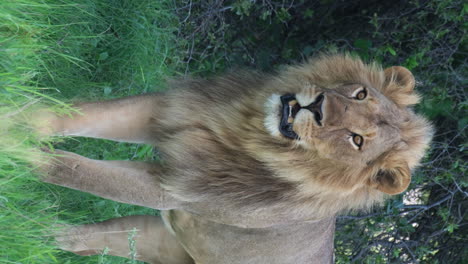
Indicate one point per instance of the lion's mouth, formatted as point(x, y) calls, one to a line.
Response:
point(290, 109)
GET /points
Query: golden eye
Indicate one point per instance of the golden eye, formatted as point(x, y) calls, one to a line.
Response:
point(361, 95)
point(356, 141)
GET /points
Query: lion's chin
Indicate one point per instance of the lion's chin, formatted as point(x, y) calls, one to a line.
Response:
point(272, 110)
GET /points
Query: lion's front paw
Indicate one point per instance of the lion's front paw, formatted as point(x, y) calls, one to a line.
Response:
point(57, 168)
point(73, 239)
point(45, 122)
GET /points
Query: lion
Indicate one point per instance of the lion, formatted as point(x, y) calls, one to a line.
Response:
point(255, 167)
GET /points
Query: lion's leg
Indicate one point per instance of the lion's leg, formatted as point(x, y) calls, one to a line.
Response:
point(141, 237)
point(123, 181)
point(127, 119)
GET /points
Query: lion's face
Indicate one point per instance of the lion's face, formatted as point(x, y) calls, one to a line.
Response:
point(353, 115)
point(358, 121)
point(353, 123)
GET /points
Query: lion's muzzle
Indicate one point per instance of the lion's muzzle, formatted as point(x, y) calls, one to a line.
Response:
point(290, 107)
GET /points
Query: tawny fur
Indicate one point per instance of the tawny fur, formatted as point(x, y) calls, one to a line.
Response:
point(227, 115)
point(226, 166)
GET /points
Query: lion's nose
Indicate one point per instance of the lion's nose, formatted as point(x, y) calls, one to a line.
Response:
point(316, 108)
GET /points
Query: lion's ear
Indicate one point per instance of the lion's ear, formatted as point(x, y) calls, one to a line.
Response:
point(399, 86)
point(401, 77)
point(392, 181)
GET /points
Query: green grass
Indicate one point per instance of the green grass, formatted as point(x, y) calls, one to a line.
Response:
point(53, 52)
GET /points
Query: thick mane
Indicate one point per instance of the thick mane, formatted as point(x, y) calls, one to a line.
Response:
point(245, 167)
point(330, 187)
point(333, 70)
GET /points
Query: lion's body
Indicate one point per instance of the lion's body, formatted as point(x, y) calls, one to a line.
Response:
point(212, 243)
point(238, 189)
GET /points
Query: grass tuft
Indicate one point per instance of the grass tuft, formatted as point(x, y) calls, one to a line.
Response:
point(51, 51)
